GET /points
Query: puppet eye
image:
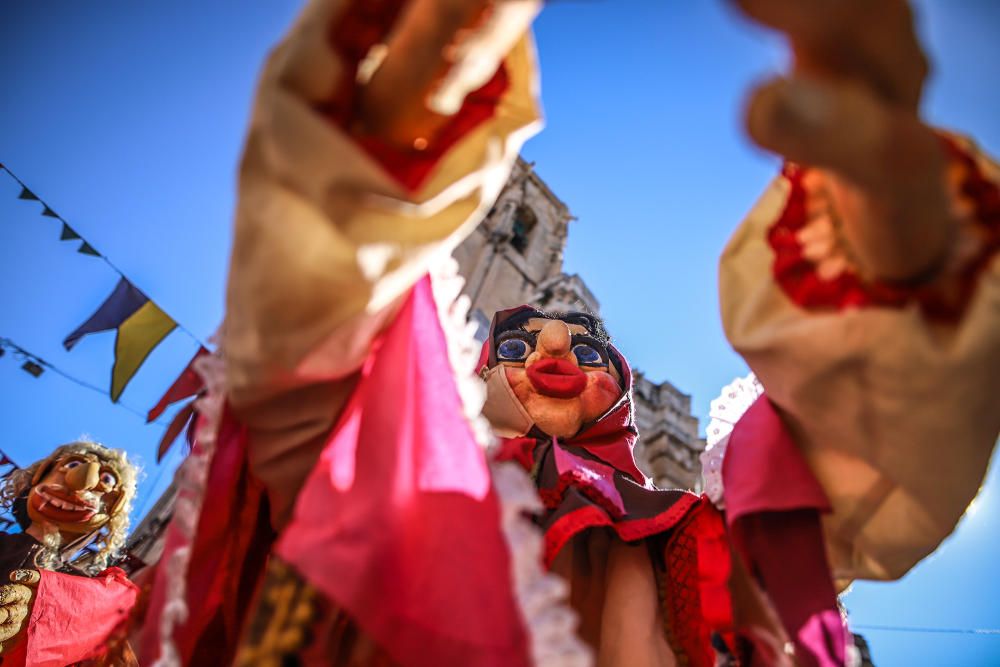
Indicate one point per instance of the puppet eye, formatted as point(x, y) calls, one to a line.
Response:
point(69, 465)
point(587, 355)
point(108, 479)
point(512, 349)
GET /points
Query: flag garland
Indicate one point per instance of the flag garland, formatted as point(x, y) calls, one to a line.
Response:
point(140, 325)
point(139, 322)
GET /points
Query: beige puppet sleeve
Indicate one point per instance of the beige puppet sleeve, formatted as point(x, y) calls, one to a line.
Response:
point(889, 395)
point(328, 241)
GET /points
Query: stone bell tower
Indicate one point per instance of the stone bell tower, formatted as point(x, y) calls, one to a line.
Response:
point(515, 256)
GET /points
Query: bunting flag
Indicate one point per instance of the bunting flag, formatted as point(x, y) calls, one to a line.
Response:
point(140, 324)
point(187, 384)
point(68, 234)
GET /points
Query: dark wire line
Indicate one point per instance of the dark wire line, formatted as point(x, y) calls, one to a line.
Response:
point(950, 631)
point(180, 327)
point(25, 354)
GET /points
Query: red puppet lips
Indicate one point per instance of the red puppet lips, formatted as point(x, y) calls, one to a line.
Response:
point(557, 378)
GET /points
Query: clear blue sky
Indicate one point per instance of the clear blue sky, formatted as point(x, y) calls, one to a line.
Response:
point(128, 118)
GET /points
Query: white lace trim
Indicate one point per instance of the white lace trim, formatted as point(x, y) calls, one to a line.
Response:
point(541, 596)
point(192, 477)
point(735, 399)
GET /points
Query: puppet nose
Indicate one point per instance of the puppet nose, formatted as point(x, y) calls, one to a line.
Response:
point(83, 477)
point(554, 339)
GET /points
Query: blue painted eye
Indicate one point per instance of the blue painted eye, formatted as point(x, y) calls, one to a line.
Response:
point(512, 349)
point(585, 354)
point(69, 465)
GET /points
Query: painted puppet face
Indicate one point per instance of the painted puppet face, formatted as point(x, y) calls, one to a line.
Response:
point(78, 494)
point(559, 372)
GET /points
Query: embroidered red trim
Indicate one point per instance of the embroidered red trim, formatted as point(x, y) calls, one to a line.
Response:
point(361, 26)
point(568, 525)
point(800, 281)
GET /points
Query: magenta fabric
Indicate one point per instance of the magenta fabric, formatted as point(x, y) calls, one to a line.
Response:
point(773, 508)
point(597, 477)
point(398, 523)
point(763, 470)
point(73, 617)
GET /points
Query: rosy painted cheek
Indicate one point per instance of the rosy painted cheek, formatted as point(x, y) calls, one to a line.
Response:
point(601, 393)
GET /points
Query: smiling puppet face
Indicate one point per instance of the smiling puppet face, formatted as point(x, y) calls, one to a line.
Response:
point(557, 374)
point(78, 492)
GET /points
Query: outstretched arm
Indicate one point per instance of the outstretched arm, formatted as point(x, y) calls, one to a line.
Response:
point(378, 140)
point(861, 288)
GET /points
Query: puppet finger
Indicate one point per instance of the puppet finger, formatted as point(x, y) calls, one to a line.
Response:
point(887, 167)
point(844, 128)
point(870, 41)
point(26, 577)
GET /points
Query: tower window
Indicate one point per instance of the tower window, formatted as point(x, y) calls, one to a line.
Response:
point(524, 223)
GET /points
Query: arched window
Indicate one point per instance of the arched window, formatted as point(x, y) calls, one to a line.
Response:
point(524, 223)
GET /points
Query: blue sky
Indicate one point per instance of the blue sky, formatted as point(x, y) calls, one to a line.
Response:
point(128, 118)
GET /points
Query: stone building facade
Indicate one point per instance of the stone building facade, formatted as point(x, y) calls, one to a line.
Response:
point(515, 256)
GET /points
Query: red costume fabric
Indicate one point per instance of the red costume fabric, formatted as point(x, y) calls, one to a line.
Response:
point(398, 523)
point(773, 506)
point(72, 617)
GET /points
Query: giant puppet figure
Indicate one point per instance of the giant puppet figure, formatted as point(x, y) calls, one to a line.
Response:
point(338, 505)
point(56, 609)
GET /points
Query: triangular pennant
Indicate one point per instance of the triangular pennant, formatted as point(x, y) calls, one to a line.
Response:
point(68, 234)
point(137, 336)
point(49, 213)
point(86, 249)
point(117, 308)
point(27, 194)
point(188, 383)
point(177, 425)
point(6, 460)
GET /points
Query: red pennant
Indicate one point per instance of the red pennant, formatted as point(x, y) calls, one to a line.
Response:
point(188, 383)
point(177, 424)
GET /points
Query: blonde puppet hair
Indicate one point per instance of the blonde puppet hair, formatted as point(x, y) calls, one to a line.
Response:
point(109, 538)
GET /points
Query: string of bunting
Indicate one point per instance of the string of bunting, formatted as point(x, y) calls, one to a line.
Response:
point(140, 325)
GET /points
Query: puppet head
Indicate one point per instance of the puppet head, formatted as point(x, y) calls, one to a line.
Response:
point(554, 372)
point(81, 492)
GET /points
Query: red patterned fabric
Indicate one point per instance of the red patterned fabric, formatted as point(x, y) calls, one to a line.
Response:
point(696, 595)
point(363, 25)
point(797, 275)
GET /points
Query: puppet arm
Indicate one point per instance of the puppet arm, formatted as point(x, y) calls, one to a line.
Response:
point(886, 388)
point(345, 201)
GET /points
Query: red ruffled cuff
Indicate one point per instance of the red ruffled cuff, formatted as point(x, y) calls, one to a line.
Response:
point(363, 25)
point(813, 265)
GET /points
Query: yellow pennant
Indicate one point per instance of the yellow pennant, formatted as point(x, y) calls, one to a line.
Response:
point(137, 336)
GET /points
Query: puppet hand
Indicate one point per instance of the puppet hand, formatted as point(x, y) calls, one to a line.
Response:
point(849, 107)
point(438, 52)
point(15, 604)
